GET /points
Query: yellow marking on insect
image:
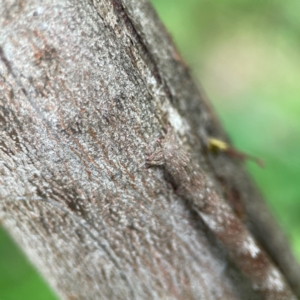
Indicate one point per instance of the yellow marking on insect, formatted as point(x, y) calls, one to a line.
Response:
point(216, 144)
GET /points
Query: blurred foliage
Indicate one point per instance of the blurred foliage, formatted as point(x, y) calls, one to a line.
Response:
point(18, 279)
point(246, 54)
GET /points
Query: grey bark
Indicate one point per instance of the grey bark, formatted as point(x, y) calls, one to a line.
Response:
point(86, 87)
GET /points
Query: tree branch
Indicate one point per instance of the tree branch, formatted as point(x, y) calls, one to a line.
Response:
point(86, 88)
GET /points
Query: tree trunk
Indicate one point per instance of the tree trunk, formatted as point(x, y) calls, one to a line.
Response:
point(86, 89)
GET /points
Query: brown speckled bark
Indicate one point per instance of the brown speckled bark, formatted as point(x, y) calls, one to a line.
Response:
point(86, 87)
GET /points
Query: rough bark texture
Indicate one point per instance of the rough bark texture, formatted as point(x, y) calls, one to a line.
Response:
point(86, 88)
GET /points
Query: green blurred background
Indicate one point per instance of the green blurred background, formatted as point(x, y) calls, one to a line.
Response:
point(246, 54)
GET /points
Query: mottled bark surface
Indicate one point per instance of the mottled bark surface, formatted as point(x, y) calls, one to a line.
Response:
point(85, 90)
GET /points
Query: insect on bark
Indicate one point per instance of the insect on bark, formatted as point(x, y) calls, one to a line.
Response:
point(217, 214)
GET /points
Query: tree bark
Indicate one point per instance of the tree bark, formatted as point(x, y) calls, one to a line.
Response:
point(86, 88)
